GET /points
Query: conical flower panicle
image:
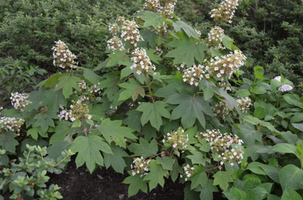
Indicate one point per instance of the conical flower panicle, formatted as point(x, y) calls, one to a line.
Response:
point(225, 12)
point(63, 57)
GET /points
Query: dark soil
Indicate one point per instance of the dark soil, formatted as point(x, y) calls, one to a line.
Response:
point(106, 184)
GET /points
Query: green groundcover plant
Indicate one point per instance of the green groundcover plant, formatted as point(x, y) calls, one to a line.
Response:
point(177, 108)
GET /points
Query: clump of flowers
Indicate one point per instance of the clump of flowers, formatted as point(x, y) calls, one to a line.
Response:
point(19, 100)
point(215, 36)
point(114, 29)
point(225, 12)
point(152, 5)
point(224, 86)
point(194, 74)
point(130, 33)
point(226, 65)
point(82, 85)
point(64, 114)
point(140, 166)
point(158, 51)
point(63, 57)
point(79, 111)
point(95, 88)
point(177, 139)
point(285, 87)
point(11, 123)
point(221, 110)
point(115, 44)
point(222, 144)
point(244, 103)
point(161, 29)
point(188, 170)
point(142, 63)
point(120, 20)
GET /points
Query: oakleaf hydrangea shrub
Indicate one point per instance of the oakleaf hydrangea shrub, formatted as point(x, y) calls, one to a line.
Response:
point(177, 108)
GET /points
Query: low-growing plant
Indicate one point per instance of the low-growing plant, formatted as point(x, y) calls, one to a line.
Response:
point(27, 177)
point(177, 108)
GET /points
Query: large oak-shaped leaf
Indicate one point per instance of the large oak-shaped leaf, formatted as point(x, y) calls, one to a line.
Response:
point(153, 113)
point(189, 109)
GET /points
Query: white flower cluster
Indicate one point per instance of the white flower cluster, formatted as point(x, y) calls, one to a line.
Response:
point(194, 74)
point(188, 170)
point(115, 44)
point(224, 86)
point(142, 63)
point(64, 114)
point(198, 32)
point(140, 166)
point(130, 33)
point(285, 87)
point(63, 57)
point(19, 101)
point(113, 29)
point(222, 144)
point(152, 5)
point(95, 88)
point(168, 9)
point(120, 20)
point(215, 36)
point(161, 29)
point(11, 123)
point(177, 139)
point(220, 109)
point(226, 65)
point(82, 85)
point(244, 103)
point(158, 51)
point(225, 12)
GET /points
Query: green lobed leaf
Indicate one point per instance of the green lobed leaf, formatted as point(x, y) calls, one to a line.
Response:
point(144, 148)
point(117, 58)
point(112, 130)
point(111, 84)
point(189, 109)
point(187, 51)
point(249, 134)
point(133, 120)
point(190, 32)
point(35, 98)
point(151, 18)
point(198, 179)
point(257, 193)
point(149, 37)
point(222, 178)
point(260, 112)
point(115, 159)
point(67, 83)
point(208, 88)
point(62, 129)
point(53, 99)
point(242, 93)
point(206, 193)
point(284, 148)
point(197, 158)
point(291, 176)
point(156, 175)
point(136, 183)
point(152, 56)
point(88, 149)
point(54, 151)
point(45, 120)
point(132, 89)
point(91, 76)
point(154, 113)
point(8, 141)
point(166, 162)
point(235, 194)
point(52, 80)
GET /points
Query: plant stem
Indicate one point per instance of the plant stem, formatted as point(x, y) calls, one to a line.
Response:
point(150, 92)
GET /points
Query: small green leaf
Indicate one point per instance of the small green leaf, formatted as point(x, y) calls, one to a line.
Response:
point(154, 113)
point(166, 162)
point(67, 83)
point(54, 151)
point(198, 179)
point(133, 120)
point(143, 148)
point(88, 149)
point(206, 193)
point(112, 130)
point(260, 112)
point(222, 178)
point(187, 51)
point(197, 158)
point(45, 120)
point(298, 126)
point(132, 89)
point(151, 18)
point(242, 93)
point(208, 89)
point(91, 76)
point(116, 159)
point(284, 148)
point(227, 42)
point(52, 80)
point(190, 32)
point(8, 141)
point(136, 183)
point(156, 175)
point(117, 58)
